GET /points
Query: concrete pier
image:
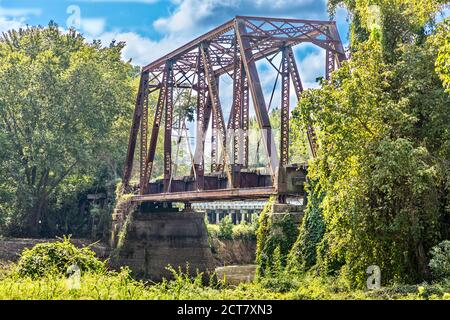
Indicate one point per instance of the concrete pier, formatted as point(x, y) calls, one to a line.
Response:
point(154, 240)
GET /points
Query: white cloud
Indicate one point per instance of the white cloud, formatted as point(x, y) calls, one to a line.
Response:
point(7, 24)
point(93, 27)
point(312, 66)
point(140, 49)
point(198, 15)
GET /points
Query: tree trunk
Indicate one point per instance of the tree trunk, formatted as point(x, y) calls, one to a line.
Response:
point(35, 216)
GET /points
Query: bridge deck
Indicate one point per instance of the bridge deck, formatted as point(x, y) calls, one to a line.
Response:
point(208, 195)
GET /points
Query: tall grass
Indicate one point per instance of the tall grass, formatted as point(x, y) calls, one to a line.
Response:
point(121, 286)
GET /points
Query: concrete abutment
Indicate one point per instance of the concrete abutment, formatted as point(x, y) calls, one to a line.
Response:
point(154, 240)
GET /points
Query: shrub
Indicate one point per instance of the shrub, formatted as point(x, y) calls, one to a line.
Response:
point(303, 255)
point(440, 261)
point(213, 230)
point(244, 231)
point(226, 228)
point(55, 258)
point(279, 283)
point(274, 240)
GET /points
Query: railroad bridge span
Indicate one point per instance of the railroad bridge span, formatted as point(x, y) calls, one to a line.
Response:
point(230, 50)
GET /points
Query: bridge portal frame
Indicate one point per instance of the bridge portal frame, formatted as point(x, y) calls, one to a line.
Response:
point(232, 48)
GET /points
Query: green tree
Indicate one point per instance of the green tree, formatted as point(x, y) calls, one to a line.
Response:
point(62, 108)
point(442, 40)
point(382, 125)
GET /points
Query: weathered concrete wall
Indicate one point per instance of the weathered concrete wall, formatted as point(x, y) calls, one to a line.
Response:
point(11, 248)
point(155, 240)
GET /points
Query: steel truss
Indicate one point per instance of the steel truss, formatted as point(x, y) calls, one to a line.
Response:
point(230, 49)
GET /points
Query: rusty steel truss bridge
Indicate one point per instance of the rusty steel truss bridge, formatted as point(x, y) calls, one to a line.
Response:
point(231, 49)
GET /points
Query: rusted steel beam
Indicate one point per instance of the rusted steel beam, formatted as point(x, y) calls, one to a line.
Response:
point(295, 31)
point(134, 131)
point(168, 128)
point(208, 195)
point(235, 119)
point(155, 132)
point(191, 45)
point(231, 49)
point(298, 87)
point(199, 159)
point(256, 91)
point(245, 109)
point(290, 20)
point(330, 63)
point(285, 110)
point(218, 119)
point(337, 45)
point(143, 141)
point(284, 123)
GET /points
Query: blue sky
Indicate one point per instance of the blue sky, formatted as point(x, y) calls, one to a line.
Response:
point(154, 27)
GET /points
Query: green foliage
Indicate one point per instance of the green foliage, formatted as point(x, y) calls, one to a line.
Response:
point(303, 254)
point(442, 39)
point(382, 125)
point(65, 110)
point(281, 282)
point(275, 238)
point(245, 230)
point(440, 260)
point(391, 22)
point(241, 231)
point(111, 285)
point(212, 229)
point(226, 229)
point(55, 258)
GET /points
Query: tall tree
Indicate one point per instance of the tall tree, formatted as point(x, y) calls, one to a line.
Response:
point(61, 103)
point(383, 130)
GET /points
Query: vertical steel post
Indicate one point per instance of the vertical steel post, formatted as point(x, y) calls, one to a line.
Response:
point(155, 130)
point(199, 159)
point(256, 91)
point(143, 141)
point(298, 87)
point(235, 120)
point(168, 127)
point(285, 99)
point(330, 64)
point(216, 107)
point(284, 123)
point(134, 130)
point(245, 97)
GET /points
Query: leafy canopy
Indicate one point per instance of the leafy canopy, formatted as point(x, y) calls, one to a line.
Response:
point(62, 109)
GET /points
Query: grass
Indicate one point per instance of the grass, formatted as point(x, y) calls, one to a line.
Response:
point(110, 285)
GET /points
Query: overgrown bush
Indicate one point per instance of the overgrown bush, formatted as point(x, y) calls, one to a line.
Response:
point(440, 261)
point(55, 258)
point(226, 229)
point(244, 231)
point(281, 283)
point(213, 230)
point(303, 254)
point(274, 241)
